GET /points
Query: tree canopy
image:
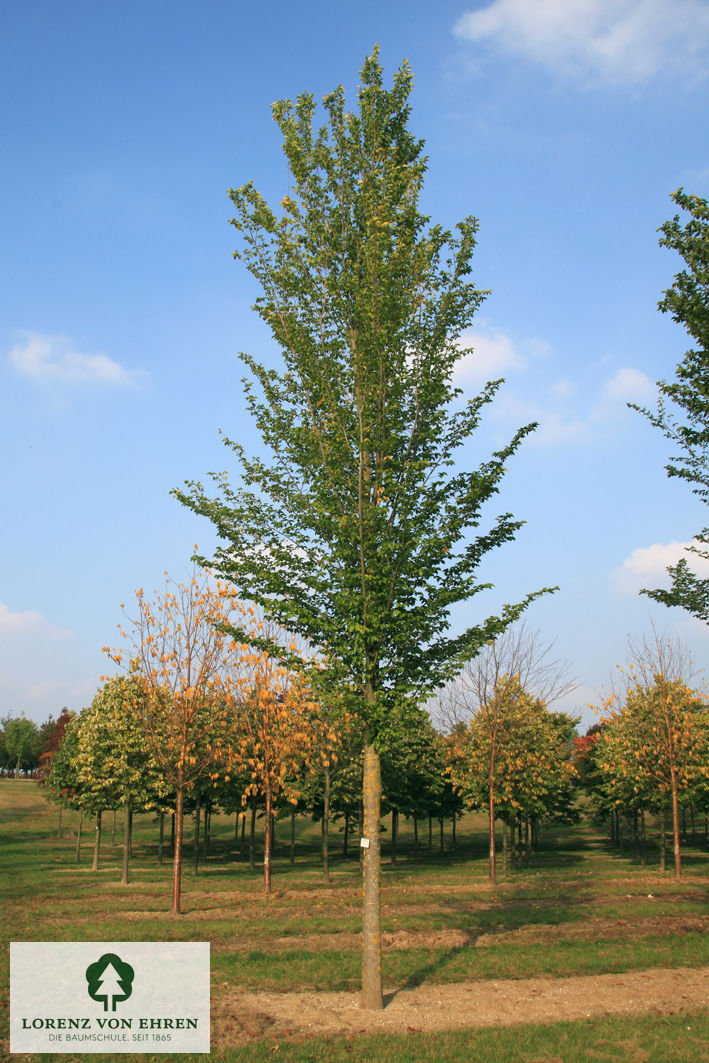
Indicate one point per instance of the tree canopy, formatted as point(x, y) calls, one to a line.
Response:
point(682, 413)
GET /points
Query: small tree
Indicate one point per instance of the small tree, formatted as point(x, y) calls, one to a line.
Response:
point(52, 735)
point(655, 747)
point(114, 766)
point(273, 732)
point(495, 693)
point(658, 732)
point(20, 742)
point(181, 657)
point(355, 533)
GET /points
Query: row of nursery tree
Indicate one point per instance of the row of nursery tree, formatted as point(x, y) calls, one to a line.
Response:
point(199, 721)
point(25, 745)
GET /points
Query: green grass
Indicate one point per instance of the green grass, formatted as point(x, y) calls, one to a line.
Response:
point(646, 1039)
point(575, 879)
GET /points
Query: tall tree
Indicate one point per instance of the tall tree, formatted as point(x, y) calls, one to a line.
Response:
point(355, 531)
point(682, 413)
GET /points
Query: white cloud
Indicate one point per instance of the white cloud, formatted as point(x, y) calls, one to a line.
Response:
point(26, 622)
point(53, 359)
point(493, 355)
point(41, 666)
point(629, 385)
point(647, 567)
point(616, 41)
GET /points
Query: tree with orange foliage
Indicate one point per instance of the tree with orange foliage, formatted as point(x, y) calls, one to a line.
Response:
point(186, 666)
point(655, 745)
point(275, 726)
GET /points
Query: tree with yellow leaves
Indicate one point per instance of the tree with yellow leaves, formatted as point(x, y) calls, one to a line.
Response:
point(186, 666)
point(275, 725)
point(655, 745)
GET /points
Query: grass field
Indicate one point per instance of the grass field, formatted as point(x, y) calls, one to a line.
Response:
point(579, 907)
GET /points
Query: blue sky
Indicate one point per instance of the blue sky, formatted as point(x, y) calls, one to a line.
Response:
point(563, 126)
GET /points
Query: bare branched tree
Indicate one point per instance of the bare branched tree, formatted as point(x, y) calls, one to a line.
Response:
point(518, 654)
point(486, 690)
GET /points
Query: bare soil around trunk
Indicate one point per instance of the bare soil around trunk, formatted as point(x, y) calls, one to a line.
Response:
point(239, 1017)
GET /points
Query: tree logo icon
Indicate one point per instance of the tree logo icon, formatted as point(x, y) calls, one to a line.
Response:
point(110, 980)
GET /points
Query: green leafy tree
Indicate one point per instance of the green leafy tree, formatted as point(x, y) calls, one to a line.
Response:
point(655, 750)
point(355, 531)
point(21, 743)
point(494, 696)
point(115, 767)
point(412, 769)
point(657, 734)
point(682, 413)
point(516, 761)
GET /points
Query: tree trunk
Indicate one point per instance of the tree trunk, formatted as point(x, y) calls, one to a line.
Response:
point(325, 826)
point(430, 833)
point(161, 837)
point(178, 824)
point(663, 841)
point(440, 823)
point(634, 823)
point(346, 839)
point(372, 995)
point(78, 837)
point(252, 839)
point(394, 832)
point(454, 823)
point(527, 840)
point(416, 838)
point(205, 832)
point(126, 843)
point(643, 854)
point(492, 863)
point(195, 837)
point(243, 828)
point(172, 834)
point(130, 833)
point(513, 847)
point(292, 837)
point(267, 845)
point(505, 848)
point(675, 825)
point(97, 843)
